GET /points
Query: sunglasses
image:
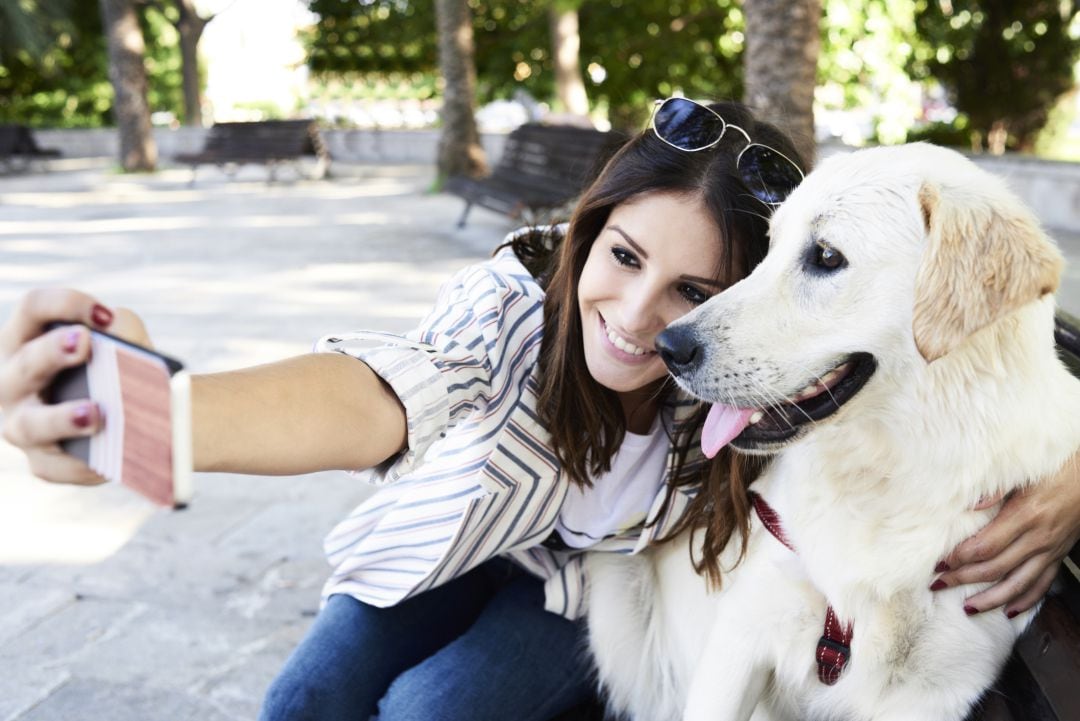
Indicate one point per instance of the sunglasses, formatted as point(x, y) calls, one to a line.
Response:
point(688, 125)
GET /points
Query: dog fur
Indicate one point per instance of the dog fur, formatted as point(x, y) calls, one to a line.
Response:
point(948, 283)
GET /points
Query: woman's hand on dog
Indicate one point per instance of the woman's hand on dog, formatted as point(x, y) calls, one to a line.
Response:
point(1021, 549)
point(31, 356)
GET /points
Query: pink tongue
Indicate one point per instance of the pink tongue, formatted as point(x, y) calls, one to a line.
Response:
point(721, 425)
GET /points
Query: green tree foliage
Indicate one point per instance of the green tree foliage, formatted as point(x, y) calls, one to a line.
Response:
point(632, 50)
point(57, 73)
point(865, 49)
point(1004, 63)
point(59, 77)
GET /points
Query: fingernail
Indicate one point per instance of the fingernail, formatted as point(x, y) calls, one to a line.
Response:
point(938, 585)
point(84, 415)
point(970, 610)
point(101, 315)
point(71, 340)
point(942, 567)
point(1012, 614)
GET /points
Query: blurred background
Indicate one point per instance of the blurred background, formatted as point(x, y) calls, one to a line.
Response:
point(991, 77)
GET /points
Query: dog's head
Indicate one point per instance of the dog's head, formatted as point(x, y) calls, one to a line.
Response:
point(883, 260)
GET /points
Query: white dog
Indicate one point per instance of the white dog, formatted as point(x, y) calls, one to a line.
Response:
point(897, 345)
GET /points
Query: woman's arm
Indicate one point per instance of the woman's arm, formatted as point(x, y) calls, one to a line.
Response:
point(310, 413)
point(1022, 548)
point(315, 412)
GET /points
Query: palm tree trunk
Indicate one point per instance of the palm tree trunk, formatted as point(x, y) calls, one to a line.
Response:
point(128, 75)
point(190, 26)
point(782, 47)
point(566, 42)
point(460, 152)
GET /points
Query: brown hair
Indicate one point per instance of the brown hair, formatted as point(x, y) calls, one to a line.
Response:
point(645, 164)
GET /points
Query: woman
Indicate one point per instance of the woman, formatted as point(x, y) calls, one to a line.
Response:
point(517, 428)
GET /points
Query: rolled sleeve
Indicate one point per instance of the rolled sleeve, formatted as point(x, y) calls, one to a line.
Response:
point(450, 367)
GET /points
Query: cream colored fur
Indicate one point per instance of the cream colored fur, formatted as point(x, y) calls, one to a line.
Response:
point(947, 285)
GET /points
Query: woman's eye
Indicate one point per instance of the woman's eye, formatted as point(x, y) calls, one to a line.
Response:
point(694, 295)
point(827, 258)
point(624, 257)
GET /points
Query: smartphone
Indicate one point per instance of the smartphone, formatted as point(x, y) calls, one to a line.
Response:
point(145, 399)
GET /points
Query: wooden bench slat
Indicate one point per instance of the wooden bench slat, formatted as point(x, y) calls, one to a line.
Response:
point(267, 142)
point(541, 167)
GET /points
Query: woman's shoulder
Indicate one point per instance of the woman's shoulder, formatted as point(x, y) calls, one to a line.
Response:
point(512, 269)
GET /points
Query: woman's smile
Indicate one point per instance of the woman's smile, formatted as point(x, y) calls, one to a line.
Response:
point(622, 348)
point(656, 259)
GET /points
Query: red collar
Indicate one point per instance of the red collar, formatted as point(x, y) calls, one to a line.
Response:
point(834, 646)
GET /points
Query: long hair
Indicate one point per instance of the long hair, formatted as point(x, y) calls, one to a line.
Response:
point(585, 419)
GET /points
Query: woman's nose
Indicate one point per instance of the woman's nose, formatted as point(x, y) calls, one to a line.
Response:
point(642, 311)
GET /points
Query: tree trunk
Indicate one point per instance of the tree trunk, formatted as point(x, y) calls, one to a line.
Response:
point(566, 46)
point(782, 47)
point(128, 75)
point(460, 152)
point(191, 26)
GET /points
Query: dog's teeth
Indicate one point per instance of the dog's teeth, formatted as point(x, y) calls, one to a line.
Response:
point(756, 416)
point(808, 391)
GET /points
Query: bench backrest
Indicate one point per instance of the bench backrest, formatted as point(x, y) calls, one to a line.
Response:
point(9, 139)
point(560, 155)
point(287, 138)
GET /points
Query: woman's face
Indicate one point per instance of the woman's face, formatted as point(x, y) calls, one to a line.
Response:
point(654, 261)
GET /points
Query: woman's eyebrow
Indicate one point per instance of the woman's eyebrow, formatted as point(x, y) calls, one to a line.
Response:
point(640, 251)
point(704, 281)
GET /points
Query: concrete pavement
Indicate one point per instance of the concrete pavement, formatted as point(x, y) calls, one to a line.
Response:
point(112, 609)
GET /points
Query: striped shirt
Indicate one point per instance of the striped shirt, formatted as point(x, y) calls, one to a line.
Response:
point(478, 478)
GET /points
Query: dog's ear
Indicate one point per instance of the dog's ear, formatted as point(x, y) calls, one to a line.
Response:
point(985, 257)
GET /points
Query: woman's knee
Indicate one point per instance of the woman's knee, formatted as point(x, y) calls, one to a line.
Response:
point(299, 698)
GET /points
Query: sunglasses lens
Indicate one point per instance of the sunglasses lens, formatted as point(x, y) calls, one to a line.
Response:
point(687, 125)
point(769, 175)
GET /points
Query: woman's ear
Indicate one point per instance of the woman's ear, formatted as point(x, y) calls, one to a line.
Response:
point(985, 256)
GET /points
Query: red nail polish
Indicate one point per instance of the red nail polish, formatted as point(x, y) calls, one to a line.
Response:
point(1012, 614)
point(942, 567)
point(938, 585)
point(970, 610)
point(84, 415)
point(71, 340)
point(101, 315)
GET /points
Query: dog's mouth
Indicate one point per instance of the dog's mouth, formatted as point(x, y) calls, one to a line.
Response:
point(757, 428)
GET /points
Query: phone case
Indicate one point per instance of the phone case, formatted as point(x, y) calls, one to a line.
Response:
point(145, 398)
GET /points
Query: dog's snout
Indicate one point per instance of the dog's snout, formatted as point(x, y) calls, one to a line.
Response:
point(679, 349)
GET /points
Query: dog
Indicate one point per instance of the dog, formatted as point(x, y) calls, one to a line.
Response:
point(895, 352)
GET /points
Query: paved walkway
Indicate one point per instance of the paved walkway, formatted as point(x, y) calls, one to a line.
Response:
point(112, 609)
point(115, 610)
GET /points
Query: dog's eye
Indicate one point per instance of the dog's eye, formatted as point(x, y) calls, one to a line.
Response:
point(825, 257)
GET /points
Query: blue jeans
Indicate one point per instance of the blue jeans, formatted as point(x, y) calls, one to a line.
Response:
point(479, 647)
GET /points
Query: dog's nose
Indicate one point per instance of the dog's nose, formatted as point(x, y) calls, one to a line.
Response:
point(679, 349)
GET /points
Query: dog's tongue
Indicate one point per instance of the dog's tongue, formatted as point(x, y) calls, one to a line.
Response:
point(721, 425)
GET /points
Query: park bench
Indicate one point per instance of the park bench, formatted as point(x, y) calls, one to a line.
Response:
point(18, 148)
point(266, 142)
point(542, 168)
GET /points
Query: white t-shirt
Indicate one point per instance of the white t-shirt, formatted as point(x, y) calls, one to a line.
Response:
point(619, 499)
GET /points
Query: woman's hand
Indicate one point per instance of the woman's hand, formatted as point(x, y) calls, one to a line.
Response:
point(1021, 549)
point(30, 357)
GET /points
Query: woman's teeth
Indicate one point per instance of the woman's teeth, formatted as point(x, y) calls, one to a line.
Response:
point(623, 345)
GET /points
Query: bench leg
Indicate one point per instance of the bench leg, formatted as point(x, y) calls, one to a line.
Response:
point(273, 172)
point(464, 214)
point(194, 169)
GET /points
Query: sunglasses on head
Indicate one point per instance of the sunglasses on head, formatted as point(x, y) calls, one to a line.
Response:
point(688, 125)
